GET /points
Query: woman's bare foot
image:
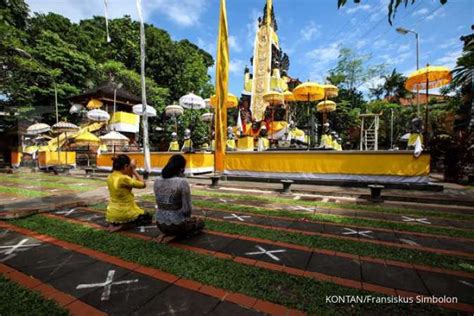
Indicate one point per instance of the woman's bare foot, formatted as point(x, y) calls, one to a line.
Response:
point(159, 238)
point(115, 228)
point(168, 239)
point(164, 239)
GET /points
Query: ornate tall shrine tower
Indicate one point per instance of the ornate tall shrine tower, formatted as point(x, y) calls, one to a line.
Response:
point(270, 65)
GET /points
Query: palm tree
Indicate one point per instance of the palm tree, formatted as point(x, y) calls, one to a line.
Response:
point(377, 92)
point(463, 73)
point(394, 86)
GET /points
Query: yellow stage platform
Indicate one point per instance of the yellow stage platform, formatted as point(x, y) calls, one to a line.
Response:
point(377, 166)
point(48, 159)
point(196, 163)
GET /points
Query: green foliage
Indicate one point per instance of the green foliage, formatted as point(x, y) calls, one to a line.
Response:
point(463, 73)
point(16, 300)
point(156, 95)
point(352, 70)
point(14, 13)
point(48, 51)
point(402, 116)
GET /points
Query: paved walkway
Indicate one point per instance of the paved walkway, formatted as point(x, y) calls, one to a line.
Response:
point(114, 286)
point(363, 214)
point(402, 239)
point(391, 278)
point(453, 194)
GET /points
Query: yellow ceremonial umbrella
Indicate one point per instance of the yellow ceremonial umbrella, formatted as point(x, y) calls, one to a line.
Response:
point(330, 91)
point(309, 91)
point(87, 138)
point(232, 101)
point(429, 77)
point(274, 98)
point(326, 106)
point(289, 97)
point(94, 104)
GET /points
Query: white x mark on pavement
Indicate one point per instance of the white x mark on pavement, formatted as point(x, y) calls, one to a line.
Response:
point(302, 208)
point(20, 246)
point(66, 213)
point(423, 220)
point(351, 231)
point(92, 217)
point(409, 242)
point(239, 217)
point(144, 228)
point(107, 285)
point(466, 283)
point(269, 253)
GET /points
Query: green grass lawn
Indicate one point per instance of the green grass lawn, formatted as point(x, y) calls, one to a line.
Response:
point(292, 291)
point(48, 184)
point(347, 246)
point(50, 178)
point(373, 223)
point(351, 206)
point(16, 300)
point(27, 193)
point(336, 244)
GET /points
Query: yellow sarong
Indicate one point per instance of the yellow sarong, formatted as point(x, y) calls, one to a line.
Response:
point(122, 207)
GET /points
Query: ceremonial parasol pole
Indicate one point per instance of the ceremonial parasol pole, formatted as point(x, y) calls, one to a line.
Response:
point(146, 149)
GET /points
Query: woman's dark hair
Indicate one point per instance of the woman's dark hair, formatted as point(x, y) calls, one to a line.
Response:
point(174, 167)
point(119, 162)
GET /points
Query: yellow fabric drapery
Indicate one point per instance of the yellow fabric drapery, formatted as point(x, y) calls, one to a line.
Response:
point(222, 78)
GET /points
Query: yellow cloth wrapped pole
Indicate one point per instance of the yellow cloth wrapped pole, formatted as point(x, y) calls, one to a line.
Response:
point(222, 78)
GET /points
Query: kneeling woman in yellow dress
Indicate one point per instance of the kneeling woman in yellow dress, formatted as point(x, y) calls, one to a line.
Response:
point(122, 211)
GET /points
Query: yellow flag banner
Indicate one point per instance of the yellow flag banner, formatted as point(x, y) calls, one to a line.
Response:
point(222, 81)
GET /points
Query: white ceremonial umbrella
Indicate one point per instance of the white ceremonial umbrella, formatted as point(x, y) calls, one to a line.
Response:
point(149, 110)
point(38, 128)
point(98, 115)
point(192, 101)
point(64, 127)
point(174, 111)
point(114, 138)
